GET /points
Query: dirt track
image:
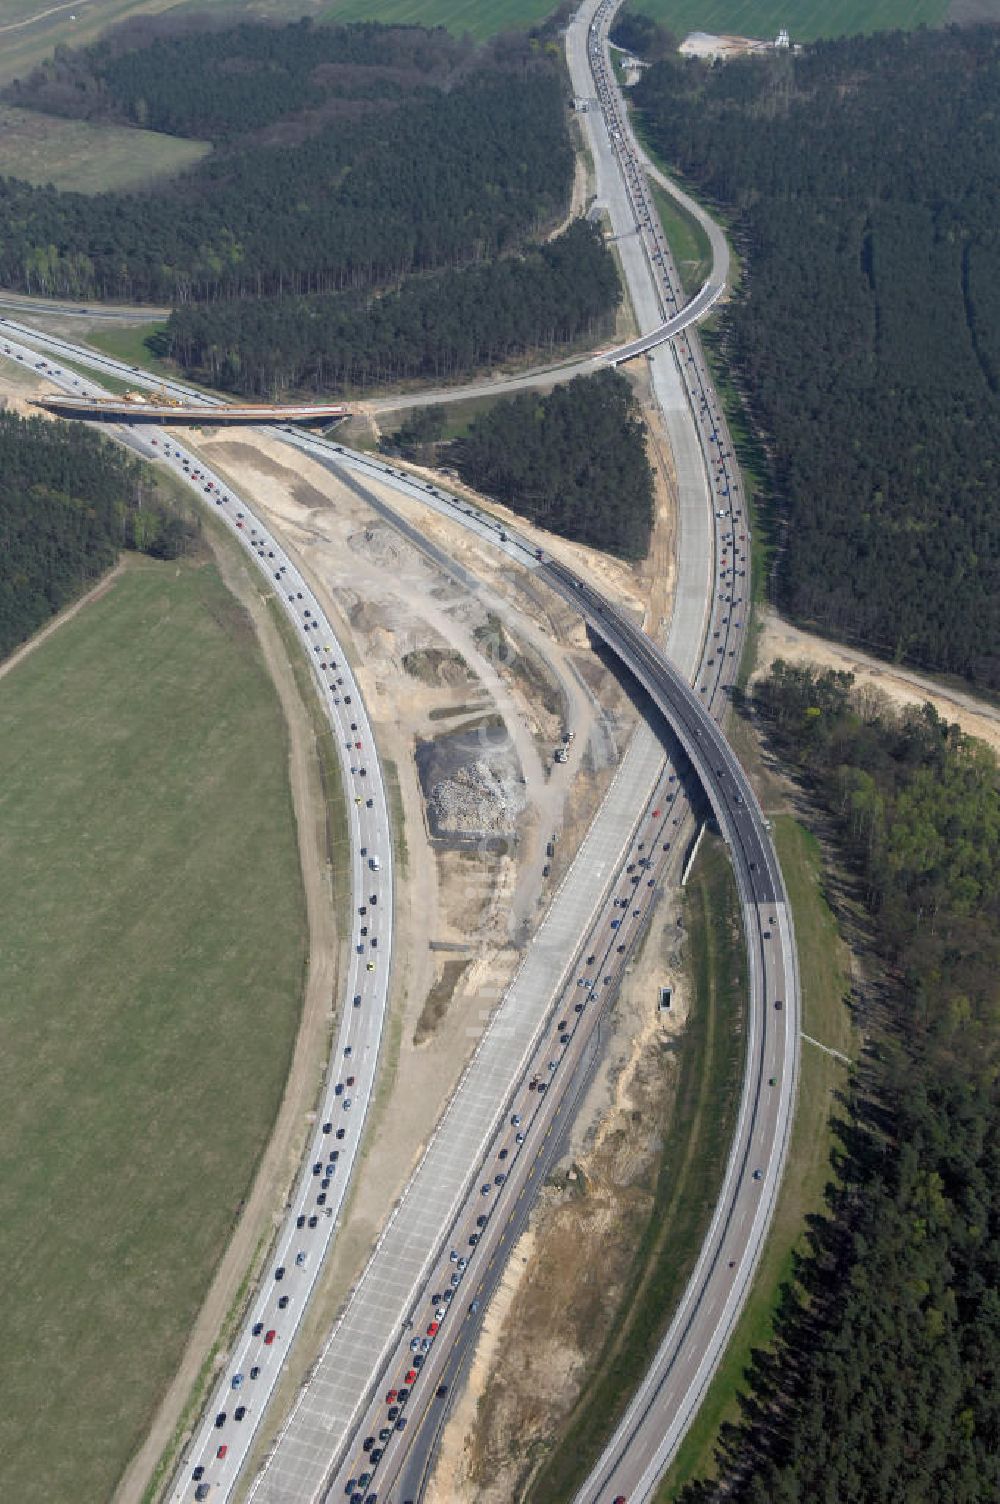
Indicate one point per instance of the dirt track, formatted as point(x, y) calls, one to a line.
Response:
point(902, 686)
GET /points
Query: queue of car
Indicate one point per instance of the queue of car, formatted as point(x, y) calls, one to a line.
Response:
point(322, 1181)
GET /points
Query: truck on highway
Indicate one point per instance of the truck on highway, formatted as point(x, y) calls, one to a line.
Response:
point(375, 863)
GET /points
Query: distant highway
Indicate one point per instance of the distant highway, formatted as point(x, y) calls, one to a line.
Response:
point(24, 304)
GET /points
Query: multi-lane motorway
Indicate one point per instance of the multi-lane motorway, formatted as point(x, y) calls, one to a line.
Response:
point(712, 1301)
point(218, 1451)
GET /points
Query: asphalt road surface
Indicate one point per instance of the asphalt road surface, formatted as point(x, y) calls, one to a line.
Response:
point(715, 665)
point(254, 1363)
point(727, 1261)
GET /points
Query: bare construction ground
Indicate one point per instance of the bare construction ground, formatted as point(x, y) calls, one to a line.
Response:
point(901, 686)
point(435, 657)
point(565, 1279)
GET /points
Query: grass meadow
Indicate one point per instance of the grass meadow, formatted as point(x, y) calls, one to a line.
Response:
point(480, 18)
point(152, 952)
point(805, 19)
point(73, 154)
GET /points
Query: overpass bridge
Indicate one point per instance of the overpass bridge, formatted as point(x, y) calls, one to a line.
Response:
point(135, 407)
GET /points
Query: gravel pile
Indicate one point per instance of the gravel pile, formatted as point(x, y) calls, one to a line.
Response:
point(476, 797)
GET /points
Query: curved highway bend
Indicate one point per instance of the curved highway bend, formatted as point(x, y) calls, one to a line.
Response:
point(256, 1357)
point(726, 626)
point(597, 857)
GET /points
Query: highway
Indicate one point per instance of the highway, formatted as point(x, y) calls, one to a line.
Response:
point(718, 1288)
point(671, 1392)
point(24, 303)
point(215, 1457)
point(712, 607)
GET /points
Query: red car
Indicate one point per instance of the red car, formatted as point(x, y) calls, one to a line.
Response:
point(269, 1336)
point(391, 1396)
point(222, 1451)
point(656, 814)
point(433, 1328)
point(411, 1374)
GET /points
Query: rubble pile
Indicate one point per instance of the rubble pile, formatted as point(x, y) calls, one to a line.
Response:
point(476, 797)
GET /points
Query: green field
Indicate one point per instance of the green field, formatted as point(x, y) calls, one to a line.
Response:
point(88, 158)
point(805, 19)
point(128, 342)
point(152, 950)
point(823, 962)
point(31, 29)
point(481, 18)
point(688, 242)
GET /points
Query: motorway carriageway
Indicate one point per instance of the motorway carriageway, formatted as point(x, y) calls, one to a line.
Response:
point(307, 1232)
point(626, 922)
point(727, 624)
point(560, 1043)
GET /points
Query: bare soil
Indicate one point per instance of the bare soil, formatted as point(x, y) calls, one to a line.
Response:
point(901, 686)
point(553, 1311)
point(394, 611)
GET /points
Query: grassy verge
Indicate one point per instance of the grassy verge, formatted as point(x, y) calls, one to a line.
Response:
point(152, 950)
point(338, 837)
point(394, 793)
point(111, 384)
point(824, 978)
point(694, 1156)
point(207, 1375)
point(689, 245)
point(133, 343)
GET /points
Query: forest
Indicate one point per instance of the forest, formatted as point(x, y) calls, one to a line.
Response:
point(344, 157)
point(69, 501)
point(862, 179)
point(882, 1381)
point(641, 35)
point(574, 462)
point(437, 326)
